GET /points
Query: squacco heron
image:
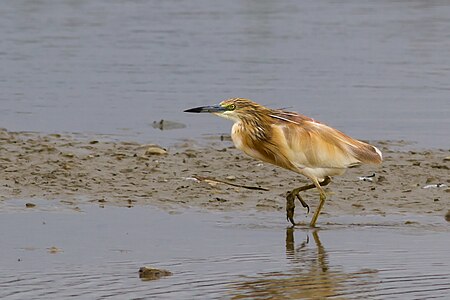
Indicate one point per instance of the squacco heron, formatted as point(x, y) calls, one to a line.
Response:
point(294, 142)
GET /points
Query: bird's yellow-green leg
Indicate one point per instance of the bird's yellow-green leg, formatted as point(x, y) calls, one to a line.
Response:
point(290, 198)
point(323, 197)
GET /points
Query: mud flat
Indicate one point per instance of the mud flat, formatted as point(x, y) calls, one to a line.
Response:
point(76, 170)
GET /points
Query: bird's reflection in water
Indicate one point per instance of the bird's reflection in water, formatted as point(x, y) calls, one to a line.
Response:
point(304, 254)
point(311, 276)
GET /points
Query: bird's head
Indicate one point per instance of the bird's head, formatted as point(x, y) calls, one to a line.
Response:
point(235, 109)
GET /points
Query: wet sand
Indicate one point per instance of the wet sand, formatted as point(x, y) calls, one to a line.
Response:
point(76, 170)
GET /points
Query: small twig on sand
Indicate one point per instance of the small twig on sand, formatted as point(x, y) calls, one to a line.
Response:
point(213, 180)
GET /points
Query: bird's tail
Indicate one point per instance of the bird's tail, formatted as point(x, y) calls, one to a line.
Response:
point(367, 153)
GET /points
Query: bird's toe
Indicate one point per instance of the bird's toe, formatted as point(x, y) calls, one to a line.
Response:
point(304, 204)
point(290, 218)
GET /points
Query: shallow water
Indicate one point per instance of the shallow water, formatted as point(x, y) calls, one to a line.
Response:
point(217, 255)
point(374, 69)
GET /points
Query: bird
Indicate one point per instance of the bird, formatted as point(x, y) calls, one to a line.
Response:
point(294, 142)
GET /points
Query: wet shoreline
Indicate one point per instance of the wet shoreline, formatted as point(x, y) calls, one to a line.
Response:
point(74, 171)
point(80, 216)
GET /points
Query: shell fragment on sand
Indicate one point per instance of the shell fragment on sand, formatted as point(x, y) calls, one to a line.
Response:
point(367, 178)
point(437, 185)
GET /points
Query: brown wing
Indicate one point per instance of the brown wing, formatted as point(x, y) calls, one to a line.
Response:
point(318, 145)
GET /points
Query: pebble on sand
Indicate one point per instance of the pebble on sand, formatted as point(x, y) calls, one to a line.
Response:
point(155, 150)
point(447, 216)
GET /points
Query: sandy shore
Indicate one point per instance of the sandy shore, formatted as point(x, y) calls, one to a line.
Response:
point(75, 170)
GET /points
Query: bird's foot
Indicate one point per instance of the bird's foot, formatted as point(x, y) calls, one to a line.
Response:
point(290, 207)
point(311, 225)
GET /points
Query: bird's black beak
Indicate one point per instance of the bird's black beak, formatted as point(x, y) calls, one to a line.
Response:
point(206, 109)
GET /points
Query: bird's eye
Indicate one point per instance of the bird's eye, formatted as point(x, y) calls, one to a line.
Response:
point(231, 107)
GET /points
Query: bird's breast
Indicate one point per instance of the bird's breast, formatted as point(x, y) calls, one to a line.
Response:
point(236, 135)
point(243, 140)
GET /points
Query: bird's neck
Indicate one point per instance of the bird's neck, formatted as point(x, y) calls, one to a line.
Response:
point(255, 128)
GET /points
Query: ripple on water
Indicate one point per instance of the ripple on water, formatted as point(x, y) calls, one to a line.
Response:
point(216, 255)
